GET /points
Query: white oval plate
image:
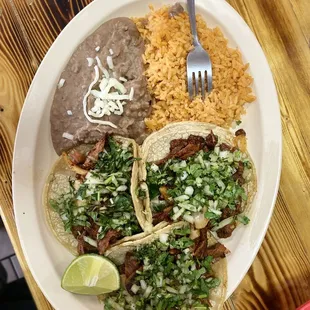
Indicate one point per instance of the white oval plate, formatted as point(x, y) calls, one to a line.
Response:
point(34, 153)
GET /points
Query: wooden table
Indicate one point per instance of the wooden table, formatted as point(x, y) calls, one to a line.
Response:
point(280, 275)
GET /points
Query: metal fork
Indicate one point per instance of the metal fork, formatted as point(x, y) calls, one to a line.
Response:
point(199, 67)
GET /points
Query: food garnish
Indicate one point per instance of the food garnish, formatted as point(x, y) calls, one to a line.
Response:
point(200, 181)
point(91, 274)
point(172, 272)
point(109, 93)
point(98, 208)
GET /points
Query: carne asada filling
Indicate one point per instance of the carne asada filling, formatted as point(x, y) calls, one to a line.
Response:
point(167, 274)
point(98, 209)
point(200, 176)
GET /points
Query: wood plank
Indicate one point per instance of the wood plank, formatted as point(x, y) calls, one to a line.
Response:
point(279, 276)
point(17, 70)
point(302, 12)
point(44, 19)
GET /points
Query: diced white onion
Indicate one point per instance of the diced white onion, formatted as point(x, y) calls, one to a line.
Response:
point(147, 291)
point(188, 218)
point(90, 241)
point(224, 154)
point(198, 181)
point(207, 190)
point(67, 135)
point(178, 214)
point(121, 188)
point(175, 209)
point(200, 159)
point(171, 290)
point(189, 190)
point(143, 284)
point(129, 299)
point(181, 198)
point(188, 206)
point(115, 305)
point(223, 223)
point(183, 289)
point(93, 181)
point(154, 167)
point(123, 79)
point(111, 51)
point(184, 176)
point(135, 288)
point(163, 238)
point(69, 112)
point(97, 49)
point(220, 183)
point(186, 251)
point(183, 164)
point(61, 83)
point(90, 61)
point(215, 211)
point(64, 217)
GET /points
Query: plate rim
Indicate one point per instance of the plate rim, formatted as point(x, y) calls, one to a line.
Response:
point(26, 105)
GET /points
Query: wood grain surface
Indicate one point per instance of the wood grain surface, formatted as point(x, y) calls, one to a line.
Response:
point(280, 275)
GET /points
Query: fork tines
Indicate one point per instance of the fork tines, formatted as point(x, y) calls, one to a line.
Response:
point(197, 81)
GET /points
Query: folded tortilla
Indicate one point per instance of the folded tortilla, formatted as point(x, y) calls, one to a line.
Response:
point(157, 146)
point(58, 183)
point(154, 148)
point(219, 267)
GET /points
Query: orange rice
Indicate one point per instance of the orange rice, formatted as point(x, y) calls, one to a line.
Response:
point(168, 41)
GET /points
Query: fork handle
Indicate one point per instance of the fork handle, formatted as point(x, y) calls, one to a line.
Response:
point(192, 18)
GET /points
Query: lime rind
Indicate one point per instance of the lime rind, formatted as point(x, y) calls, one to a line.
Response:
point(91, 274)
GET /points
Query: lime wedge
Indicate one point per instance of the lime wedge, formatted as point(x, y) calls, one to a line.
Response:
point(91, 274)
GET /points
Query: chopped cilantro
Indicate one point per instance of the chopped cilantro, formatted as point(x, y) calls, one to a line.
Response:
point(211, 215)
point(104, 196)
point(182, 231)
point(243, 219)
point(169, 279)
point(194, 182)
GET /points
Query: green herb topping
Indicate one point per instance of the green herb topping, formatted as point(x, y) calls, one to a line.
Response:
point(206, 182)
point(104, 196)
point(168, 280)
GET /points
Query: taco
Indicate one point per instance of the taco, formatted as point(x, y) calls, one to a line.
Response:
point(88, 196)
point(199, 173)
point(169, 270)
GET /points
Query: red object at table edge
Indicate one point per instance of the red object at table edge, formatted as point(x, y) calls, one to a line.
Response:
point(305, 306)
